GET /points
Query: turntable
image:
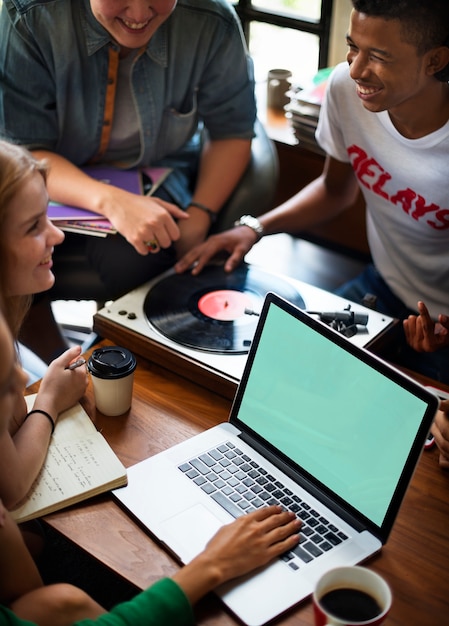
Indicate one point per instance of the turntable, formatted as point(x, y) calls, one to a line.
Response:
point(201, 327)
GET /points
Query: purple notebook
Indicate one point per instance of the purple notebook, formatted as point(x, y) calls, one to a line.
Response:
point(125, 179)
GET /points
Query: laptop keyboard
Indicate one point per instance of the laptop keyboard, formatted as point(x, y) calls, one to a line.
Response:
point(240, 485)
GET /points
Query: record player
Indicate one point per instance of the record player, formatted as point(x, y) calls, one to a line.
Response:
point(201, 327)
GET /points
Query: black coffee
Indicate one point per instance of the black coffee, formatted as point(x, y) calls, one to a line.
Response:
point(351, 605)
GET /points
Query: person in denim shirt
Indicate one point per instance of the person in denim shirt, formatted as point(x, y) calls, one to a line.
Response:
point(131, 84)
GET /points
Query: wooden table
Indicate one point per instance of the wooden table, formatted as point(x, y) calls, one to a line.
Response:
point(167, 409)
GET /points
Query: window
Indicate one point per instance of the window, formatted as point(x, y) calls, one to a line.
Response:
point(287, 34)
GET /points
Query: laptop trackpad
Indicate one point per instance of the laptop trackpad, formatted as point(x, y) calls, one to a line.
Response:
point(187, 533)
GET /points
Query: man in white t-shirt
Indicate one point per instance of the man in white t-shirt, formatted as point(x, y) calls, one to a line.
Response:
point(385, 128)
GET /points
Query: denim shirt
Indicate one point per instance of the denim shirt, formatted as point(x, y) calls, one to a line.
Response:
point(58, 70)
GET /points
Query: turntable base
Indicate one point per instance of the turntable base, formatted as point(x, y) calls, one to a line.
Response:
point(127, 322)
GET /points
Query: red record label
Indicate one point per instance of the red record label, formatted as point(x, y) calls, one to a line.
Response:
point(224, 304)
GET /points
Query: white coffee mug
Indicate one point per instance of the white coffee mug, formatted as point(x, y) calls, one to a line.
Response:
point(278, 83)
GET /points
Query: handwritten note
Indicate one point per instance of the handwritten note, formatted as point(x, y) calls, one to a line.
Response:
point(79, 465)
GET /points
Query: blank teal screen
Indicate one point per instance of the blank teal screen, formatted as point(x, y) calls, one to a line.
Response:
point(346, 424)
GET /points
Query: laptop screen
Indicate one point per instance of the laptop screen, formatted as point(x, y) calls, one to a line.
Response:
point(348, 425)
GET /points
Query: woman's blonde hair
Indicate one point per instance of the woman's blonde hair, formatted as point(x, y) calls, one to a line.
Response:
point(16, 164)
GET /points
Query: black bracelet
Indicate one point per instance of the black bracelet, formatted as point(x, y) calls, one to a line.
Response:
point(47, 415)
point(198, 205)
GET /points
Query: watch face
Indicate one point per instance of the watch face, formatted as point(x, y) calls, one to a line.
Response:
point(252, 222)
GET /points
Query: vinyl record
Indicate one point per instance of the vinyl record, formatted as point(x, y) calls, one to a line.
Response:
point(214, 311)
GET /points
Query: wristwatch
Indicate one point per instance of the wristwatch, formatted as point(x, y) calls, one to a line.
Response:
point(251, 222)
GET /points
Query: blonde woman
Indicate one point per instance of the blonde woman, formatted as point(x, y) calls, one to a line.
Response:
point(27, 239)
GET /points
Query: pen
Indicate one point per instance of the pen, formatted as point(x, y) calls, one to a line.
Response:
point(76, 364)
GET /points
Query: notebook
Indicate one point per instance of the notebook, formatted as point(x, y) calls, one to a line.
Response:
point(335, 429)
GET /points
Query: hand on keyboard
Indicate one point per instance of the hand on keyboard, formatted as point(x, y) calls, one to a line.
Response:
point(238, 548)
point(254, 539)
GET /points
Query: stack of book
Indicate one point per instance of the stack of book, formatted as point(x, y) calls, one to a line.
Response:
point(78, 220)
point(304, 108)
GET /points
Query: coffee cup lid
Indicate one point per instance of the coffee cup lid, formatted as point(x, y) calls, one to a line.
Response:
point(111, 362)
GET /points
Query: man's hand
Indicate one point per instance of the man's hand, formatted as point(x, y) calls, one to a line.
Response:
point(440, 430)
point(143, 219)
point(138, 218)
point(425, 335)
point(236, 242)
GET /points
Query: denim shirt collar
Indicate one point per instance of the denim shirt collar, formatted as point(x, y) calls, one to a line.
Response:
point(97, 37)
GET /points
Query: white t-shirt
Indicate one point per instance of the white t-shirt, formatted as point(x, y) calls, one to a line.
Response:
point(405, 183)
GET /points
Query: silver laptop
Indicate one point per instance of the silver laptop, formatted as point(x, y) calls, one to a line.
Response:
point(317, 424)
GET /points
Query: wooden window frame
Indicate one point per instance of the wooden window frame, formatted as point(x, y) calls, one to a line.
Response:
point(248, 13)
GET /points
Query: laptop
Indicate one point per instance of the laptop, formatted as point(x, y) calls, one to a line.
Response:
point(317, 423)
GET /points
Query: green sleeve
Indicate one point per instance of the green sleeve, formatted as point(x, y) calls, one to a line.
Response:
point(8, 618)
point(164, 603)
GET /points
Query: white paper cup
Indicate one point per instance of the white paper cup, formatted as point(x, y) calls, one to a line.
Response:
point(112, 372)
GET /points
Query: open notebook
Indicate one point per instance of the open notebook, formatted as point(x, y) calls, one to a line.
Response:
point(79, 464)
point(320, 425)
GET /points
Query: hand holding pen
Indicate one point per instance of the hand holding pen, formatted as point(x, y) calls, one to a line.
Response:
point(65, 381)
point(76, 364)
